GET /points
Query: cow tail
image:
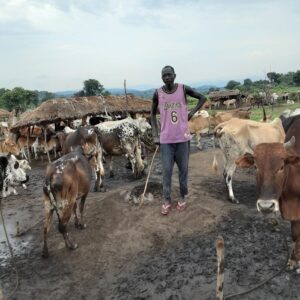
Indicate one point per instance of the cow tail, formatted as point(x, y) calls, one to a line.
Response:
point(217, 134)
point(215, 164)
point(264, 114)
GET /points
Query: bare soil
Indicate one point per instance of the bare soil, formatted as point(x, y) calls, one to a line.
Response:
point(127, 252)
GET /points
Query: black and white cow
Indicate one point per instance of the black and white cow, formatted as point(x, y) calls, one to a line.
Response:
point(123, 137)
point(11, 174)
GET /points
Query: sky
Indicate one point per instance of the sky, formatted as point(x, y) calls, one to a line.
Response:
point(55, 45)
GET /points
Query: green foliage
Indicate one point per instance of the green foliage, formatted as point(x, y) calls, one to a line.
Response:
point(19, 99)
point(274, 77)
point(296, 78)
point(248, 82)
point(232, 84)
point(44, 95)
point(92, 87)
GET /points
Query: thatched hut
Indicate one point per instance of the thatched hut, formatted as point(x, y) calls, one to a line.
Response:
point(224, 95)
point(57, 110)
point(4, 114)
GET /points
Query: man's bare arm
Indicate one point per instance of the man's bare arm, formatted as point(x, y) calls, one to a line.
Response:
point(201, 99)
point(153, 117)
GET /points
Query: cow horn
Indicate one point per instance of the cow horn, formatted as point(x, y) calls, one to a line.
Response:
point(289, 144)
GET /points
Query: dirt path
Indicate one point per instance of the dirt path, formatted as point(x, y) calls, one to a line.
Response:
point(128, 252)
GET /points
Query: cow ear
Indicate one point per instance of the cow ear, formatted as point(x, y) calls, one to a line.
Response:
point(293, 159)
point(245, 161)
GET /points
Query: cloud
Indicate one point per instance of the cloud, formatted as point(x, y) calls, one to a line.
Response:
point(112, 40)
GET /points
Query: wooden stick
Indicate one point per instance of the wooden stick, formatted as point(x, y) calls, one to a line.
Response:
point(45, 136)
point(220, 274)
point(146, 184)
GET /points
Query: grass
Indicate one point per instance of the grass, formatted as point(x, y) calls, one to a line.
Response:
point(274, 112)
point(257, 113)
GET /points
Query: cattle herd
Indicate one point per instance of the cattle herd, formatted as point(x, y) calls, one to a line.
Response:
point(273, 148)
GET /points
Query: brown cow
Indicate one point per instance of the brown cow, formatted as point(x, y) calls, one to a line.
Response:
point(83, 136)
point(224, 116)
point(67, 179)
point(22, 144)
point(9, 146)
point(277, 177)
point(198, 124)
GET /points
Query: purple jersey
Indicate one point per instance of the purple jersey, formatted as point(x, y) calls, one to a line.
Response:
point(173, 116)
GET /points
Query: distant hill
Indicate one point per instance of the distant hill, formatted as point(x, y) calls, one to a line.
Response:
point(65, 93)
point(144, 94)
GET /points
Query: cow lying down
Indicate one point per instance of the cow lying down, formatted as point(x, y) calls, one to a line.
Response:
point(67, 179)
point(12, 174)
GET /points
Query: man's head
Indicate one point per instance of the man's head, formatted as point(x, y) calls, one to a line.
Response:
point(168, 75)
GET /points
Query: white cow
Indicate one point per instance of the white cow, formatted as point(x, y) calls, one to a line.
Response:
point(237, 136)
point(14, 174)
point(123, 137)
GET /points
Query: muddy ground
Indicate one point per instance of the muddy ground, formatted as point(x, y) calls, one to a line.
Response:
point(127, 252)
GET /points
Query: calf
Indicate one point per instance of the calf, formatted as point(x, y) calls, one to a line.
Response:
point(67, 179)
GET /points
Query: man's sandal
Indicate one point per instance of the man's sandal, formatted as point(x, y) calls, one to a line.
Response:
point(165, 209)
point(181, 206)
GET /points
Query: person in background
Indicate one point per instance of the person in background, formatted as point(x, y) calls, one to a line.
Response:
point(174, 137)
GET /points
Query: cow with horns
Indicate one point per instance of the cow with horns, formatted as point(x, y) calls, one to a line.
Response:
point(277, 176)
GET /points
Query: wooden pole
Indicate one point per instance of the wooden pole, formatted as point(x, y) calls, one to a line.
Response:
point(45, 136)
point(220, 274)
point(28, 150)
point(126, 97)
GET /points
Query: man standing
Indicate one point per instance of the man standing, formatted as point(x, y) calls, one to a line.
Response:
point(174, 139)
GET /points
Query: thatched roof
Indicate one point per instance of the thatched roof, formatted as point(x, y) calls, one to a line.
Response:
point(56, 110)
point(223, 94)
point(4, 113)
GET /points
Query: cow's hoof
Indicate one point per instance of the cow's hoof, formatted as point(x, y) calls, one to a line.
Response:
point(234, 200)
point(45, 254)
point(80, 226)
point(292, 264)
point(111, 175)
point(73, 246)
point(200, 148)
point(102, 189)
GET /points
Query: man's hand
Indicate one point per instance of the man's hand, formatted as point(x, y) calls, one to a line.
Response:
point(156, 140)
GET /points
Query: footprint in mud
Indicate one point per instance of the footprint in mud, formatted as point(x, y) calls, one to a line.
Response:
point(157, 241)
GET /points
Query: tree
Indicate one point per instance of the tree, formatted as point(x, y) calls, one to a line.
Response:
point(44, 95)
point(296, 77)
point(80, 93)
point(247, 82)
point(92, 87)
point(19, 99)
point(274, 77)
point(232, 84)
